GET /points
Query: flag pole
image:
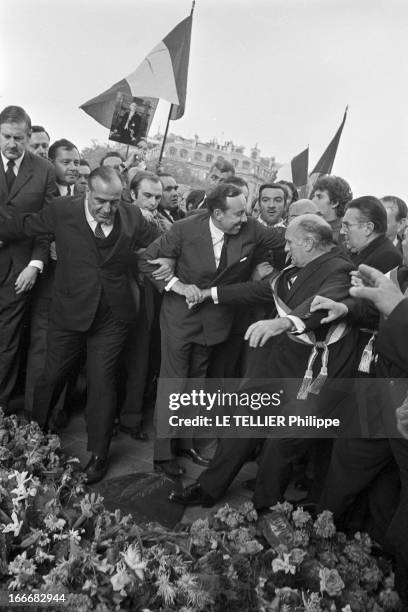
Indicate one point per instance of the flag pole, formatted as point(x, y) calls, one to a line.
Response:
point(169, 117)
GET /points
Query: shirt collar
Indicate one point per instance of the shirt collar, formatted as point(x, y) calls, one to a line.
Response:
point(216, 234)
point(280, 223)
point(91, 221)
point(17, 162)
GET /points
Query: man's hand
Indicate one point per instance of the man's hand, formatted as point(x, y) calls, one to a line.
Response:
point(402, 419)
point(26, 279)
point(205, 293)
point(166, 268)
point(336, 310)
point(192, 293)
point(378, 289)
point(262, 270)
point(259, 333)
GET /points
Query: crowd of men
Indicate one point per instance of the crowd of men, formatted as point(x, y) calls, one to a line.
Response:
point(102, 270)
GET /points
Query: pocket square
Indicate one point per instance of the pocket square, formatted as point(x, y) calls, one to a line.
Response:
point(243, 259)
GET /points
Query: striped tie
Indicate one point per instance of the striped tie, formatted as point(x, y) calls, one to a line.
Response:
point(99, 231)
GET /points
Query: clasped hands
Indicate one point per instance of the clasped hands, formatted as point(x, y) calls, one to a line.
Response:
point(192, 293)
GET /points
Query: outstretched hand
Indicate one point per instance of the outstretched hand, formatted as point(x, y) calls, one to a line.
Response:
point(378, 289)
point(335, 310)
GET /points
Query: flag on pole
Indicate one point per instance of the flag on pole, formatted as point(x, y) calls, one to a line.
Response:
point(325, 163)
point(162, 74)
point(297, 170)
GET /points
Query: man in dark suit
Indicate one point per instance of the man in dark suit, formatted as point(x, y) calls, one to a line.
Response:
point(27, 183)
point(169, 209)
point(92, 302)
point(212, 248)
point(356, 463)
point(318, 267)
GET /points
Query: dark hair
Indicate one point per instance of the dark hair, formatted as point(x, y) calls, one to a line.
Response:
point(338, 189)
point(105, 173)
point(15, 114)
point(254, 202)
point(373, 210)
point(292, 187)
point(223, 166)
point(319, 229)
point(217, 197)
point(140, 176)
point(400, 204)
point(63, 143)
point(272, 186)
point(111, 154)
point(39, 129)
point(238, 181)
point(195, 197)
point(83, 162)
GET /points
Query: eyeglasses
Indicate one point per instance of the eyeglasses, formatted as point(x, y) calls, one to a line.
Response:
point(347, 226)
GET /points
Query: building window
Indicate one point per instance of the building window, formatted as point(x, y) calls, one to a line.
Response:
point(246, 165)
point(172, 151)
point(183, 153)
point(209, 158)
point(198, 155)
point(235, 163)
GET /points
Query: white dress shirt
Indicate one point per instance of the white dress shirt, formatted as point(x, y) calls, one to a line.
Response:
point(63, 189)
point(35, 263)
point(106, 227)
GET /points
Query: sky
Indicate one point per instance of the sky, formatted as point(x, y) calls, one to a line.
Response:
point(276, 73)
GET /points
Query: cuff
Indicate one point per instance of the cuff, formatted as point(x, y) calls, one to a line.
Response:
point(36, 263)
point(170, 284)
point(214, 295)
point(298, 323)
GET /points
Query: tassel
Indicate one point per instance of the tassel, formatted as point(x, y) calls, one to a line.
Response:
point(367, 356)
point(304, 387)
point(318, 383)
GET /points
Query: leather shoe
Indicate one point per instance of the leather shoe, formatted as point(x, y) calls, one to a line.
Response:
point(96, 469)
point(137, 433)
point(193, 495)
point(195, 457)
point(171, 467)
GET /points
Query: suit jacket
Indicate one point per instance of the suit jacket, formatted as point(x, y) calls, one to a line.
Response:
point(327, 275)
point(380, 254)
point(81, 275)
point(189, 242)
point(32, 189)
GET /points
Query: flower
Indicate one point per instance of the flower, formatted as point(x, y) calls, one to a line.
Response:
point(133, 559)
point(120, 579)
point(300, 518)
point(53, 523)
point(324, 526)
point(14, 526)
point(297, 555)
point(283, 565)
point(284, 507)
point(330, 581)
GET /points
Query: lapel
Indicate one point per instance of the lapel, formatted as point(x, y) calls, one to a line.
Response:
point(205, 244)
point(123, 223)
point(24, 174)
point(3, 184)
point(78, 209)
point(306, 272)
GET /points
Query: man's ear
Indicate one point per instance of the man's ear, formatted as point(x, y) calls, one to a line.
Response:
point(218, 213)
point(334, 204)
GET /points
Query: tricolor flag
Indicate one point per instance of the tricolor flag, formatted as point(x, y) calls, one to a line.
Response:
point(296, 171)
point(161, 75)
point(325, 163)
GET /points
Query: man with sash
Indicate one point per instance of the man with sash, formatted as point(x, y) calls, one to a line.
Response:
point(301, 347)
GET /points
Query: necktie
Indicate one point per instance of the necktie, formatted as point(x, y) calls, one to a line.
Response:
point(69, 192)
point(223, 256)
point(99, 231)
point(10, 176)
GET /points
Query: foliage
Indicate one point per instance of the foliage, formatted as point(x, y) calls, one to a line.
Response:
point(57, 538)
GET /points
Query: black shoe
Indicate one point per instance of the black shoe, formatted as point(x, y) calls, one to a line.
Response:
point(193, 495)
point(195, 457)
point(171, 467)
point(137, 433)
point(96, 469)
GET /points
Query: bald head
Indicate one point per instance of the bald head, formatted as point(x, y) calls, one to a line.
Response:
point(302, 207)
point(308, 237)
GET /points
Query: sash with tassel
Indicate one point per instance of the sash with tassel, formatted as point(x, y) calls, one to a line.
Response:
point(335, 333)
point(368, 354)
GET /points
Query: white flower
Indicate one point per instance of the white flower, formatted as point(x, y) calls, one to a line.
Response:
point(284, 565)
point(74, 536)
point(121, 579)
point(133, 559)
point(14, 526)
point(22, 479)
